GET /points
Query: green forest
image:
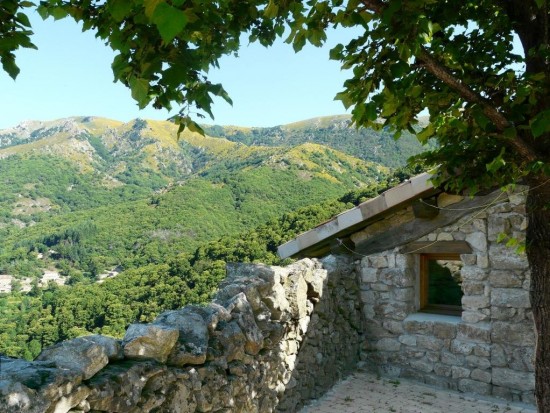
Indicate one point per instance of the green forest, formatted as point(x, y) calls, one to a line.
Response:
point(86, 195)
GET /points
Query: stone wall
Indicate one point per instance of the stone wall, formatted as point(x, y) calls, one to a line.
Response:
point(272, 339)
point(489, 349)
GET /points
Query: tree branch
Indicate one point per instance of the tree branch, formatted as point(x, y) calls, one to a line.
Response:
point(440, 71)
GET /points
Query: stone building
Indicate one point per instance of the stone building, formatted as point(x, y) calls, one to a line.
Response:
point(444, 299)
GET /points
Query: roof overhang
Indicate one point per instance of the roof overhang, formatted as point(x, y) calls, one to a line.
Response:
point(317, 242)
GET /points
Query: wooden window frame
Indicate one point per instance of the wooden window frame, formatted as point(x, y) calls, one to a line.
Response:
point(424, 285)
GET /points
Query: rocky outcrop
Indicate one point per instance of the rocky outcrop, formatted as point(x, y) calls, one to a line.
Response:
point(272, 339)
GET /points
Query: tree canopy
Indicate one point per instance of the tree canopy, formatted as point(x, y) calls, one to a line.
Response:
point(489, 107)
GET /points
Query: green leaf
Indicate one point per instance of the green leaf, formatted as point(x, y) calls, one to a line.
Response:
point(345, 98)
point(140, 90)
point(120, 9)
point(195, 127)
point(272, 10)
point(497, 163)
point(150, 6)
point(540, 124)
point(501, 237)
point(425, 133)
point(8, 63)
point(23, 19)
point(169, 21)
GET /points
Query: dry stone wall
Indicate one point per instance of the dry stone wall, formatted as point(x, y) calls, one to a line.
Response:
point(272, 339)
point(489, 350)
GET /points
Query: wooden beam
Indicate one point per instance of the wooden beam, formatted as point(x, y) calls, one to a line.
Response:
point(437, 247)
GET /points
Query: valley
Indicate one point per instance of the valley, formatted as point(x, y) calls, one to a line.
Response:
point(83, 196)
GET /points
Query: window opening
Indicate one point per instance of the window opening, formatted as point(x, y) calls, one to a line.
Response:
point(441, 284)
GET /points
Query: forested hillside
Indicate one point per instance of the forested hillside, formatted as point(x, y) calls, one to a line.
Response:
point(333, 131)
point(82, 196)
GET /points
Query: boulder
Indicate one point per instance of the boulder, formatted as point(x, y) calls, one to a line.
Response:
point(192, 344)
point(149, 342)
point(79, 354)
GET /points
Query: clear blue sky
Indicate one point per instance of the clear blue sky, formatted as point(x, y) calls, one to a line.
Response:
point(70, 75)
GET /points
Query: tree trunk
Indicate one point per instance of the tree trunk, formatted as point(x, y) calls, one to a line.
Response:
point(538, 254)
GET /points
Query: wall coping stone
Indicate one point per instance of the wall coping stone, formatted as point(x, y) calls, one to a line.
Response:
point(437, 318)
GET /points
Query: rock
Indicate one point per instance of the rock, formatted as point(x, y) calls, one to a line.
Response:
point(118, 387)
point(79, 354)
point(513, 379)
point(296, 293)
point(245, 318)
point(66, 403)
point(510, 297)
point(149, 342)
point(192, 343)
point(112, 347)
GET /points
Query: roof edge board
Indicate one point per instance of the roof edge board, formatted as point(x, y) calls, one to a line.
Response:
point(402, 193)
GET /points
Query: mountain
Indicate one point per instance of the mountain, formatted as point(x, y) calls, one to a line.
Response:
point(83, 195)
point(333, 131)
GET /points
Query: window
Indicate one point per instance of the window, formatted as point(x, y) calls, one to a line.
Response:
point(441, 283)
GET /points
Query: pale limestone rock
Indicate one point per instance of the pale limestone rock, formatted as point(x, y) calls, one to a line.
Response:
point(513, 379)
point(510, 297)
point(80, 354)
point(192, 341)
point(149, 342)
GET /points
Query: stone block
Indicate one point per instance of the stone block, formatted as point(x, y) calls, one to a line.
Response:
point(403, 294)
point(519, 334)
point(482, 261)
point(442, 370)
point(480, 332)
point(79, 355)
point(512, 379)
point(482, 350)
point(469, 316)
point(477, 362)
point(473, 273)
point(510, 297)
point(192, 343)
point(498, 357)
point(462, 347)
point(505, 279)
point(424, 366)
point(408, 339)
point(396, 277)
point(460, 372)
point(468, 259)
point(388, 344)
point(497, 224)
point(504, 258)
point(445, 236)
point(369, 275)
point(380, 287)
point(452, 359)
point(478, 241)
point(394, 327)
point(475, 302)
point(418, 327)
point(429, 343)
point(473, 288)
point(503, 313)
point(502, 393)
point(474, 386)
point(481, 375)
point(149, 342)
point(378, 261)
point(444, 330)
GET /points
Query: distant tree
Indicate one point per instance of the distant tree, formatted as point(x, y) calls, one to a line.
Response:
point(489, 107)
